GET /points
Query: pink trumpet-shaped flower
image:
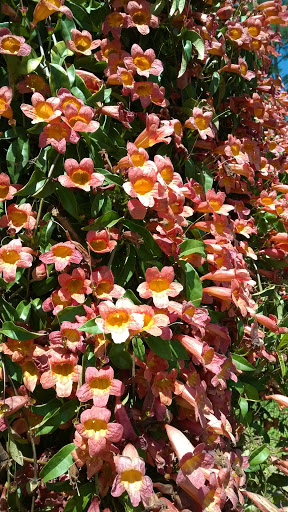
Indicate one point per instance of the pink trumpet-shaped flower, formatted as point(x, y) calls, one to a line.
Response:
point(13, 45)
point(74, 285)
point(103, 284)
point(19, 217)
point(119, 319)
point(80, 120)
point(94, 425)
point(61, 255)
point(57, 134)
point(99, 384)
point(131, 477)
point(159, 286)
point(99, 241)
point(69, 336)
point(201, 121)
point(80, 175)
point(281, 400)
point(62, 373)
point(41, 110)
point(81, 42)
point(13, 255)
point(141, 17)
point(7, 190)
point(262, 503)
point(143, 62)
point(8, 407)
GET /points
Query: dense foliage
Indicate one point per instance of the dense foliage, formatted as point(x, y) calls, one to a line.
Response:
point(144, 207)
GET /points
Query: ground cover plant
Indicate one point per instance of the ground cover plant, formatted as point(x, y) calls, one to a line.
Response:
point(143, 258)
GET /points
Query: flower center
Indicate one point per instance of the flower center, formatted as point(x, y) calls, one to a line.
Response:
point(143, 186)
point(115, 19)
point(30, 369)
point(80, 177)
point(144, 89)
point(71, 335)
point(201, 123)
point(126, 78)
point(100, 384)
point(10, 257)
point(267, 200)
point(243, 69)
point(140, 18)
point(71, 101)
point(44, 110)
point(118, 319)
point(83, 43)
point(74, 285)
point(18, 217)
point(3, 188)
point(11, 44)
point(98, 245)
point(235, 149)
point(191, 464)
point(163, 384)
point(235, 33)
point(215, 204)
point(190, 311)
point(62, 252)
point(35, 82)
point(137, 159)
point(148, 321)
point(258, 112)
point(253, 31)
point(63, 369)
point(167, 174)
point(55, 2)
point(75, 119)
point(103, 288)
point(142, 62)
point(159, 285)
point(96, 426)
point(256, 44)
point(2, 104)
point(57, 131)
point(132, 477)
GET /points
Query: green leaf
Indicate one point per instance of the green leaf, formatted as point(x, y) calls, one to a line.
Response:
point(244, 407)
point(43, 409)
point(157, 7)
point(8, 312)
point(282, 365)
point(160, 347)
point(91, 327)
point(58, 79)
point(148, 239)
point(68, 314)
point(123, 267)
point(197, 41)
point(28, 65)
point(193, 285)
point(13, 369)
point(96, 97)
point(17, 157)
point(59, 53)
point(138, 348)
point(242, 364)
point(14, 451)
point(178, 350)
point(259, 455)
point(131, 296)
point(120, 356)
point(214, 84)
point(105, 221)
point(18, 333)
point(65, 413)
point(283, 345)
point(110, 177)
point(251, 392)
point(34, 184)
point(79, 502)
point(192, 246)
point(23, 310)
point(68, 201)
point(59, 464)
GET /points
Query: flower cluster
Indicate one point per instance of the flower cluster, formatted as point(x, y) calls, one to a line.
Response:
point(144, 246)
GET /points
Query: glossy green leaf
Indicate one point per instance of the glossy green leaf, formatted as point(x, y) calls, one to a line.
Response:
point(18, 333)
point(192, 246)
point(160, 347)
point(259, 455)
point(17, 157)
point(65, 413)
point(148, 239)
point(58, 464)
point(58, 79)
point(107, 220)
point(120, 356)
point(68, 201)
point(138, 348)
point(91, 327)
point(193, 285)
point(242, 364)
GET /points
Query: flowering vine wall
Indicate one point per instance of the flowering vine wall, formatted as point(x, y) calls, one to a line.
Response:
point(144, 207)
